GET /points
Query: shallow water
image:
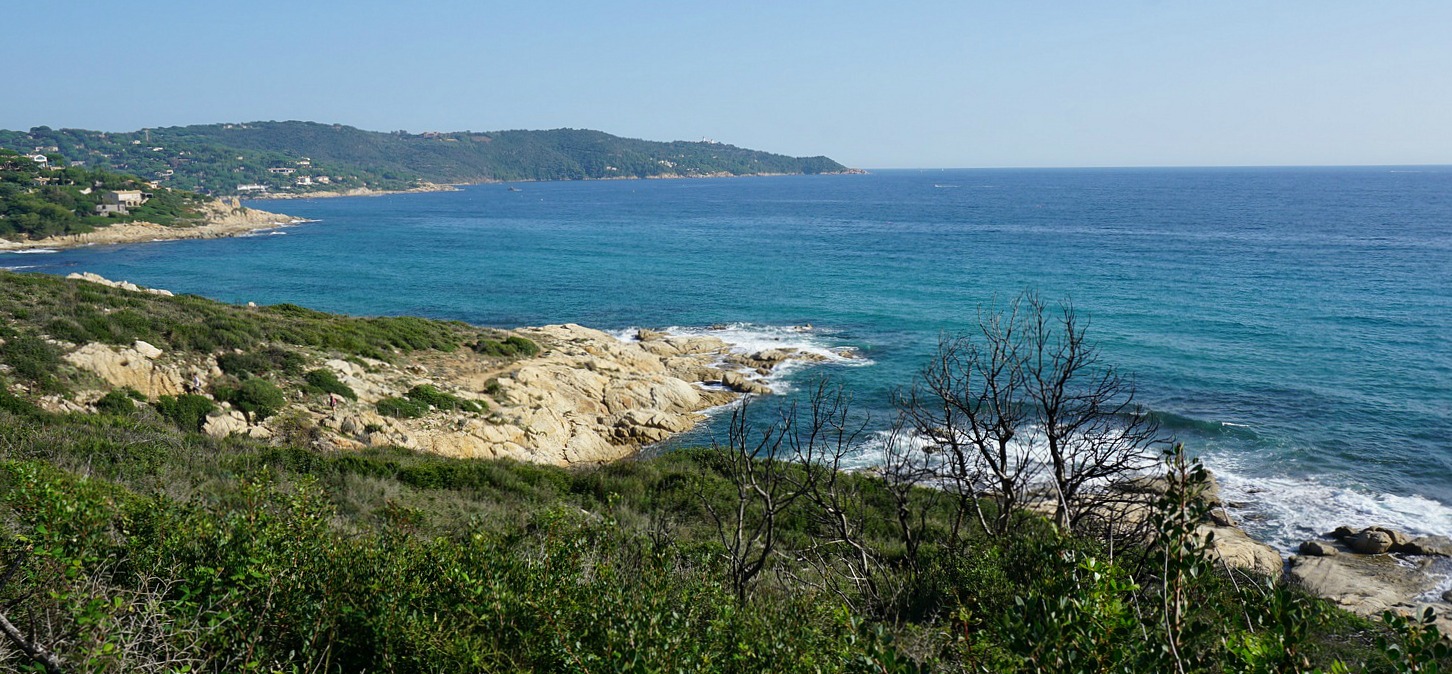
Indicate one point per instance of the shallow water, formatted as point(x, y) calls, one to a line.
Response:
point(1294, 326)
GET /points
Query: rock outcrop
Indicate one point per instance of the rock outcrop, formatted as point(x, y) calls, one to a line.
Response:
point(139, 367)
point(1376, 569)
point(124, 285)
point(588, 397)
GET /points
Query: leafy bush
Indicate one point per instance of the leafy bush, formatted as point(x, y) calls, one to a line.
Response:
point(433, 397)
point(401, 408)
point(32, 359)
point(326, 381)
point(513, 346)
point(188, 411)
point(270, 359)
point(119, 402)
point(258, 399)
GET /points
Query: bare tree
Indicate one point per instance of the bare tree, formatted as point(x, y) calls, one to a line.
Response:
point(757, 464)
point(1024, 395)
point(1093, 430)
point(969, 404)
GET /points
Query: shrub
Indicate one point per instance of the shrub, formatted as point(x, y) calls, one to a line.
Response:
point(401, 408)
point(433, 397)
point(513, 346)
point(270, 359)
point(325, 381)
point(117, 402)
point(188, 411)
point(258, 399)
point(32, 359)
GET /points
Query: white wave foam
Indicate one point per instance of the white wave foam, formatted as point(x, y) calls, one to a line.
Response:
point(1285, 511)
point(20, 267)
point(750, 338)
point(34, 251)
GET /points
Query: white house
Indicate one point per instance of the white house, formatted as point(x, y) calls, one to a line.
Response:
point(40, 159)
point(252, 188)
point(284, 170)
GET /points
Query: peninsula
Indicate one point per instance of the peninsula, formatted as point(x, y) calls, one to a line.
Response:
point(268, 159)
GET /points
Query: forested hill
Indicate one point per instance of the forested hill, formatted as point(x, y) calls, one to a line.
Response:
point(305, 156)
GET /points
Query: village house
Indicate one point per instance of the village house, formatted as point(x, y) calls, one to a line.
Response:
point(284, 170)
point(40, 159)
point(127, 198)
point(252, 188)
point(304, 180)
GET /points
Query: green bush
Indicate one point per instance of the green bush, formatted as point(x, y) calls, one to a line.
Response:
point(258, 399)
point(325, 381)
point(401, 408)
point(117, 402)
point(255, 363)
point(188, 411)
point(32, 359)
point(513, 346)
point(433, 397)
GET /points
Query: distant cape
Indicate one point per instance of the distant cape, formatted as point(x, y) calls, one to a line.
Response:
point(276, 158)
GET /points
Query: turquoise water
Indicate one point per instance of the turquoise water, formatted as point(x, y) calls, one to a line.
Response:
point(1294, 326)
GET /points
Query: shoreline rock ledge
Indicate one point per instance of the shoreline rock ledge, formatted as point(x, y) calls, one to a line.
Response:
point(588, 397)
point(1376, 569)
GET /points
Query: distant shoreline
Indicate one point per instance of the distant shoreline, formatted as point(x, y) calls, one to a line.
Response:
point(454, 187)
point(225, 218)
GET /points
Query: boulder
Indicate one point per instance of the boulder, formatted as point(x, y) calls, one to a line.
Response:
point(146, 350)
point(1433, 546)
point(1317, 549)
point(1239, 550)
point(1371, 542)
point(225, 424)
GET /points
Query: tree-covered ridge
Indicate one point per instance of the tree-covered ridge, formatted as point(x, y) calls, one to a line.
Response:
point(41, 196)
point(307, 156)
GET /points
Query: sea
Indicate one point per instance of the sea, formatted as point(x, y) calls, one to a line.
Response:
point(1291, 326)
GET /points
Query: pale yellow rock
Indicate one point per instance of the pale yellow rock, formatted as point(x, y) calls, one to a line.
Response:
point(1239, 550)
point(223, 425)
point(128, 367)
point(146, 349)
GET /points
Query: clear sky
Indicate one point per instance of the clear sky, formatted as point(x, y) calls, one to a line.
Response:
point(871, 84)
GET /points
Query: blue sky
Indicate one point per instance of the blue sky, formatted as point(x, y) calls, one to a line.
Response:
point(877, 85)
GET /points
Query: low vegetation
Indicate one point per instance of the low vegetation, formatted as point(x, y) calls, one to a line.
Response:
point(81, 312)
point(129, 541)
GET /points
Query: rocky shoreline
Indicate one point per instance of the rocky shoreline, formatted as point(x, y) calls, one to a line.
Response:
point(355, 192)
point(1367, 571)
point(589, 397)
point(224, 218)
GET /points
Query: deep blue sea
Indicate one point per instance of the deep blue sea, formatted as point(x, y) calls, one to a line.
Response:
point(1293, 326)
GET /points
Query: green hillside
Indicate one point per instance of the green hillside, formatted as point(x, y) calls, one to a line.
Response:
point(37, 200)
point(306, 156)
